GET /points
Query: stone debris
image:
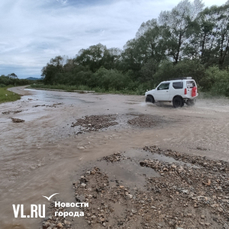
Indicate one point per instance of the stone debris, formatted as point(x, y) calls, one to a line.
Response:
point(190, 193)
point(95, 122)
point(40, 105)
point(113, 158)
point(56, 222)
point(17, 120)
point(145, 121)
point(11, 112)
point(53, 105)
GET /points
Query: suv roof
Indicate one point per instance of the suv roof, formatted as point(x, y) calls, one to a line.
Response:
point(178, 79)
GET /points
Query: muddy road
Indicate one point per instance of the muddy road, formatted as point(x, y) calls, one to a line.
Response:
point(59, 140)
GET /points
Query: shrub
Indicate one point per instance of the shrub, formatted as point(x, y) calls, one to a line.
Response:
point(217, 81)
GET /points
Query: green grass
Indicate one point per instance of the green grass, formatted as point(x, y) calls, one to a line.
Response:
point(7, 96)
point(86, 88)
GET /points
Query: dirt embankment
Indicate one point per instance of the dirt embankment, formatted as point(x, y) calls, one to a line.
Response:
point(20, 90)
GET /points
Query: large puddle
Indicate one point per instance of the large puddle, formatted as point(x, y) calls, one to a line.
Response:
point(129, 172)
point(55, 96)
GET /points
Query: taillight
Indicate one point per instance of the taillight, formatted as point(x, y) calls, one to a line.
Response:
point(194, 91)
point(185, 91)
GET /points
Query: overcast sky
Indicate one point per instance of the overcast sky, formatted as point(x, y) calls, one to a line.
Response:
point(33, 32)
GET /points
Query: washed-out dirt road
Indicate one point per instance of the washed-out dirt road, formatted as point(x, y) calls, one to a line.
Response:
point(138, 165)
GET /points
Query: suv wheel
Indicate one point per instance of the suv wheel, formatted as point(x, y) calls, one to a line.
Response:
point(150, 99)
point(178, 102)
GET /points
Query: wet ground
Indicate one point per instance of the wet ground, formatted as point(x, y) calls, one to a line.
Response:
point(59, 140)
point(185, 192)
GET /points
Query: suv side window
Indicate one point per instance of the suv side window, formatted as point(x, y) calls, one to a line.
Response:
point(163, 86)
point(178, 85)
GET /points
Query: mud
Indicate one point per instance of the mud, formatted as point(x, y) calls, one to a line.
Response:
point(45, 155)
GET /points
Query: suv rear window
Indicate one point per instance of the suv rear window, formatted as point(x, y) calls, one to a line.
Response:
point(190, 84)
point(178, 85)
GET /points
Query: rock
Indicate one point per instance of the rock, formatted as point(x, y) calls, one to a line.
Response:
point(46, 224)
point(67, 222)
point(17, 120)
point(60, 225)
point(134, 211)
point(220, 209)
point(185, 191)
point(83, 185)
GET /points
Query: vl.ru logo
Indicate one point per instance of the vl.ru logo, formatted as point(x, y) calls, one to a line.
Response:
point(36, 210)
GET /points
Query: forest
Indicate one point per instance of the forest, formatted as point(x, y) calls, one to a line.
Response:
point(189, 40)
point(13, 80)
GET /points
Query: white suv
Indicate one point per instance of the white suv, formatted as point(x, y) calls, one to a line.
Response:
point(177, 91)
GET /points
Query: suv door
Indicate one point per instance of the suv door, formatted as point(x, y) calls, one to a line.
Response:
point(162, 92)
point(190, 84)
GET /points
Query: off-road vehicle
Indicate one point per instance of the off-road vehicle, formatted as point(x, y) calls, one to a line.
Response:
point(177, 91)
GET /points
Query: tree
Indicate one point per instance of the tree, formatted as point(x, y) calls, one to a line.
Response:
point(51, 71)
point(214, 35)
point(130, 58)
point(179, 23)
point(91, 57)
point(13, 76)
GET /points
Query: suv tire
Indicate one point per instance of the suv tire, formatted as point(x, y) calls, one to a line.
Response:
point(178, 102)
point(150, 99)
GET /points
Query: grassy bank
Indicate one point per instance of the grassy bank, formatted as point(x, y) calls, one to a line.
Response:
point(86, 88)
point(7, 96)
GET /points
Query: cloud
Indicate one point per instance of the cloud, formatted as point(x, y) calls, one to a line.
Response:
point(33, 32)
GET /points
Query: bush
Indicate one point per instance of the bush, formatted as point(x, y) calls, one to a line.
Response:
point(217, 81)
point(111, 80)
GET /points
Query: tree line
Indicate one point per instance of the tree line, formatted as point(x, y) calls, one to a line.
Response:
point(188, 40)
point(12, 80)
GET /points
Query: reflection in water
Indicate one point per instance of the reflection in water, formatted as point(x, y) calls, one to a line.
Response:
point(54, 96)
